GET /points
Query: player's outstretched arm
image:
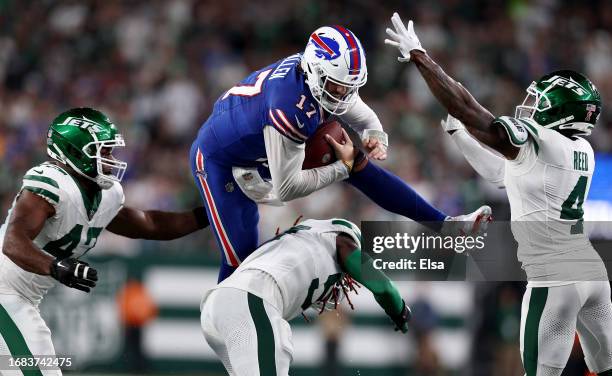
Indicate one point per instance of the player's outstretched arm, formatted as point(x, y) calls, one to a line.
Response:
point(385, 292)
point(450, 93)
point(157, 225)
point(27, 220)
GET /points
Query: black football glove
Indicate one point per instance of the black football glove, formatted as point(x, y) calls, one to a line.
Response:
point(74, 273)
point(401, 319)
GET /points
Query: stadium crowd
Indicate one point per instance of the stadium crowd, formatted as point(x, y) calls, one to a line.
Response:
point(156, 68)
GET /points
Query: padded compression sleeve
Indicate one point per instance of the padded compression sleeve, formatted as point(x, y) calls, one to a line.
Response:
point(489, 165)
point(379, 284)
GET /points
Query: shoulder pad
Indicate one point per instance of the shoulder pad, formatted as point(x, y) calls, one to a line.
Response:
point(47, 181)
point(296, 118)
point(516, 129)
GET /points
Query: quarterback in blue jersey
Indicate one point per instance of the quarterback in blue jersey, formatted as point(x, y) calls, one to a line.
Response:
point(255, 137)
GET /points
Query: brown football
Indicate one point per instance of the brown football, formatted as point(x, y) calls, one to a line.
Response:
point(318, 151)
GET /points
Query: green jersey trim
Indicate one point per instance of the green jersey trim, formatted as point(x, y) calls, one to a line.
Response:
point(43, 192)
point(91, 206)
point(42, 179)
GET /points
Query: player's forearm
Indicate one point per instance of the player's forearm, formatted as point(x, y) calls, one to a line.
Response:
point(304, 182)
point(20, 249)
point(452, 95)
point(157, 225)
point(171, 225)
point(361, 268)
point(285, 159)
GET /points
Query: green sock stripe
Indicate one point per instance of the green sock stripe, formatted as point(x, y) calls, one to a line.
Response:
point(265, 336)
point(605, 373)
point(15, 341)
point(532, 324)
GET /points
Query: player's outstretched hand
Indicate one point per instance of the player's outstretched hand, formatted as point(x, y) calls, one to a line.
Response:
point(401, 319)
point(402, 38)
point(74, 273)
point(344, 151)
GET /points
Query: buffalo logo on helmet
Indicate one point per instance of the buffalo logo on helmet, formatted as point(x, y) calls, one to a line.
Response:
point(326, 48)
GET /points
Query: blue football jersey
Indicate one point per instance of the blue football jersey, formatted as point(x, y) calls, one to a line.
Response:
point(275, 96)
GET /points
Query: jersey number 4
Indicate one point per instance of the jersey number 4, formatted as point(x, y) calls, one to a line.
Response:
point(572, 206)
point(63, 247)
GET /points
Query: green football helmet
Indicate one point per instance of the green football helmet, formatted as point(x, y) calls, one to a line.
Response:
point(83, 138)
point(562, 100)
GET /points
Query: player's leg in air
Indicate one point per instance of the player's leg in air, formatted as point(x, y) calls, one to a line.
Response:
point(391, 193)
point(232, 215)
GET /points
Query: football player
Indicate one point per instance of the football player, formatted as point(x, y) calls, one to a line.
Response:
point(257, 131)
point(546, 167)
point(244, 318)
point(61, 209)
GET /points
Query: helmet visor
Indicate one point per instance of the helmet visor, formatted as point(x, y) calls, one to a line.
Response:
point(108, 167)
point(337, 97)
point(534, 101)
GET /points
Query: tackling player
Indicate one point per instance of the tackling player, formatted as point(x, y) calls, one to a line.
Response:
point(263, 123)
point(61, 209)
point(546, 168)
point(244, 318)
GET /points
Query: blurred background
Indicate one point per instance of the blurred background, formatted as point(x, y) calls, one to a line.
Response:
point(156, 67)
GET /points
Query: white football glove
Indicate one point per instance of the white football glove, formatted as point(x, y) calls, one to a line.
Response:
point(451, 124)
point(405, 40)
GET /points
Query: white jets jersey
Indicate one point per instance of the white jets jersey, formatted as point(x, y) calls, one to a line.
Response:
point(547, 184)
point(71, 232)
point(302, 263)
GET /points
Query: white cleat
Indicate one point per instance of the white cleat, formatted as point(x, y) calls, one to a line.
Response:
point(475, 223)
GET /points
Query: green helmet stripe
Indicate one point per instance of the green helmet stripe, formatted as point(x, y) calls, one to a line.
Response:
point(42, 179)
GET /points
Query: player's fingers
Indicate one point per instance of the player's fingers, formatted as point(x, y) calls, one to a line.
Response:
point(392, 43)
point(392, 34)
point(86, 282)
point(80, 287)
point(396, 20)
point(410, 27)
point(330, 140)
point(347, 138)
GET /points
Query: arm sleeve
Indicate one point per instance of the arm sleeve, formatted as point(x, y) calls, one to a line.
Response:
point(489, 165)
point(285, 159)
point(386, 294)
point(360, 117)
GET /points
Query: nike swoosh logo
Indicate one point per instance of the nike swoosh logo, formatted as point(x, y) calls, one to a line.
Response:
point(38, 172)
point(299, 123)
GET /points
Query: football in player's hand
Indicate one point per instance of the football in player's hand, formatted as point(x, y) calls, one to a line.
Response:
point(318, 151)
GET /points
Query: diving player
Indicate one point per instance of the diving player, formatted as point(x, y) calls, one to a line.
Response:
point(263, 123)
point(244, 318)
point(546, 168)
point(61, 209)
